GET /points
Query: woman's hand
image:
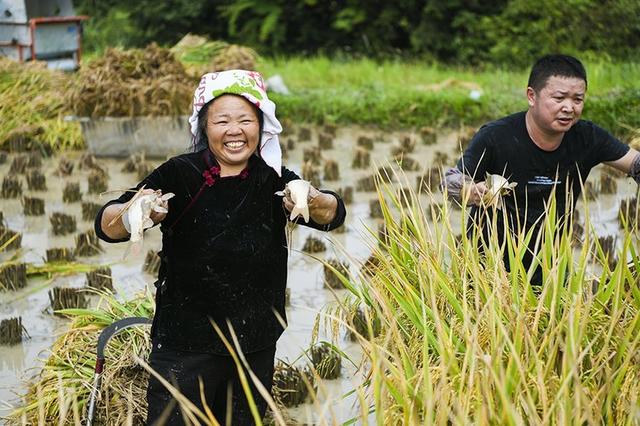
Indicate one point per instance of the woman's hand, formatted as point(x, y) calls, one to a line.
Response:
point(113, 221)
point(322, 207)
point(161, 204)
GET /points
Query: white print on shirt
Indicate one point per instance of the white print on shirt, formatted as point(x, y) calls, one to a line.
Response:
point(543, 180)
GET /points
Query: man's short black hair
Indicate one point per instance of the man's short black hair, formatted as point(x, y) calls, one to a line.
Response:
point(555, 65)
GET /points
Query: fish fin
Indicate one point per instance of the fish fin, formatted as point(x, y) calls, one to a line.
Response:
point(167, 196)
point(300, 211)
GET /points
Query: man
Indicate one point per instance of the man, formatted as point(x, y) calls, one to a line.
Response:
point(547, 148)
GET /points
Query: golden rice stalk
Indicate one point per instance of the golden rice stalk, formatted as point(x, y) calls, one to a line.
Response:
point(70, 366)
point(234, 57)
point(128, 83)
point(32, 112)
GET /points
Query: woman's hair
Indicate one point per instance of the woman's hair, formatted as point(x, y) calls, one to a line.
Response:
point(201, 141)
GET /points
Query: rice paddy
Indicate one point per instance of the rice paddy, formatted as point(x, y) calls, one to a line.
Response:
point(11, 331)
point(152, 263)
point(13, 276)
point(361, 159)
point(365, 142)
point(65, 167)
point(290, 384)
point(9, 239)
point(346, 193)
point(333, 269)
point(90, 210)
point(331, 171)
point(453, 347)
point(33, 206)
point(62, 223)
point(60, 255)
point(312, 155)
point(66, 298)
point(19, 164)
point(326, 361)
point(304, 135)
point(314, 245)
point(311, 173)
point(419, 350)
point(87, 244)
point(100, 279)
point(36, 181)
point(71, 192)
point(97, 182)
point(11, 187)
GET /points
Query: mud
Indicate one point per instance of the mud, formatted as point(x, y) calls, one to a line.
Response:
point(306, 277)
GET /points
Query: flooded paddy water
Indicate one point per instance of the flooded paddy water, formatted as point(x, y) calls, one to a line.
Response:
point(308, 294)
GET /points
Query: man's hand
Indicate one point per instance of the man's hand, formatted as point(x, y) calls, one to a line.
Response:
point(474, 192)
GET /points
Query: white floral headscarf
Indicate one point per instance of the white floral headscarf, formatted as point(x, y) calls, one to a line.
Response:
point(250, 85)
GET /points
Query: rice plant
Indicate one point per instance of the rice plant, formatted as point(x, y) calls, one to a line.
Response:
point(463, 339)
point(68, 371)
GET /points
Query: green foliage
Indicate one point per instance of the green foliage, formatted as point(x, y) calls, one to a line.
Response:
point(115, 30)
point(617, 111)
point(511, 32)
point(448, 30)
point(400, 94)
point(138, 23)
point(525, 30)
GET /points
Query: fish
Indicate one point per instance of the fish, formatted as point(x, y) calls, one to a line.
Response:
point(497, 187)
point(138, 214)
point(298, 190)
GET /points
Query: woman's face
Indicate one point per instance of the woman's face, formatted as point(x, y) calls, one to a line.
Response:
point(233, 132)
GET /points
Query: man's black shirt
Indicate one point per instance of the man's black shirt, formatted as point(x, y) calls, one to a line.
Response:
point(504, 147)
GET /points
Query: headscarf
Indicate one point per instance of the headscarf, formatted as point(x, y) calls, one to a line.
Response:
point(249, 85)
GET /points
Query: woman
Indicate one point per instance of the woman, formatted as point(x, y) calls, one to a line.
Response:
point(224, 255)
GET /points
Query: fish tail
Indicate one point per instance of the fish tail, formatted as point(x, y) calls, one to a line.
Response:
point(300, 211)
point(133, 248)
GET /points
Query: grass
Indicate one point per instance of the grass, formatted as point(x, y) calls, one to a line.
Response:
point(464, 341)
point(396, 94)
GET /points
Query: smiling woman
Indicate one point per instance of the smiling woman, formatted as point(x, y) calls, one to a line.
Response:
point(224, 250)
point(232, 129)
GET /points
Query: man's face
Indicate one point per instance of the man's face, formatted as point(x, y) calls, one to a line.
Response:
point(558, 105)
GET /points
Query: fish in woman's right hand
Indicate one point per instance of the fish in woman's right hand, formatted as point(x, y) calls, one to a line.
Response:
point(138, 215)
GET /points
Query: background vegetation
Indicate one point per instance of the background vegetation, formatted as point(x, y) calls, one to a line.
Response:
point(401, 94)
point(508, 32)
